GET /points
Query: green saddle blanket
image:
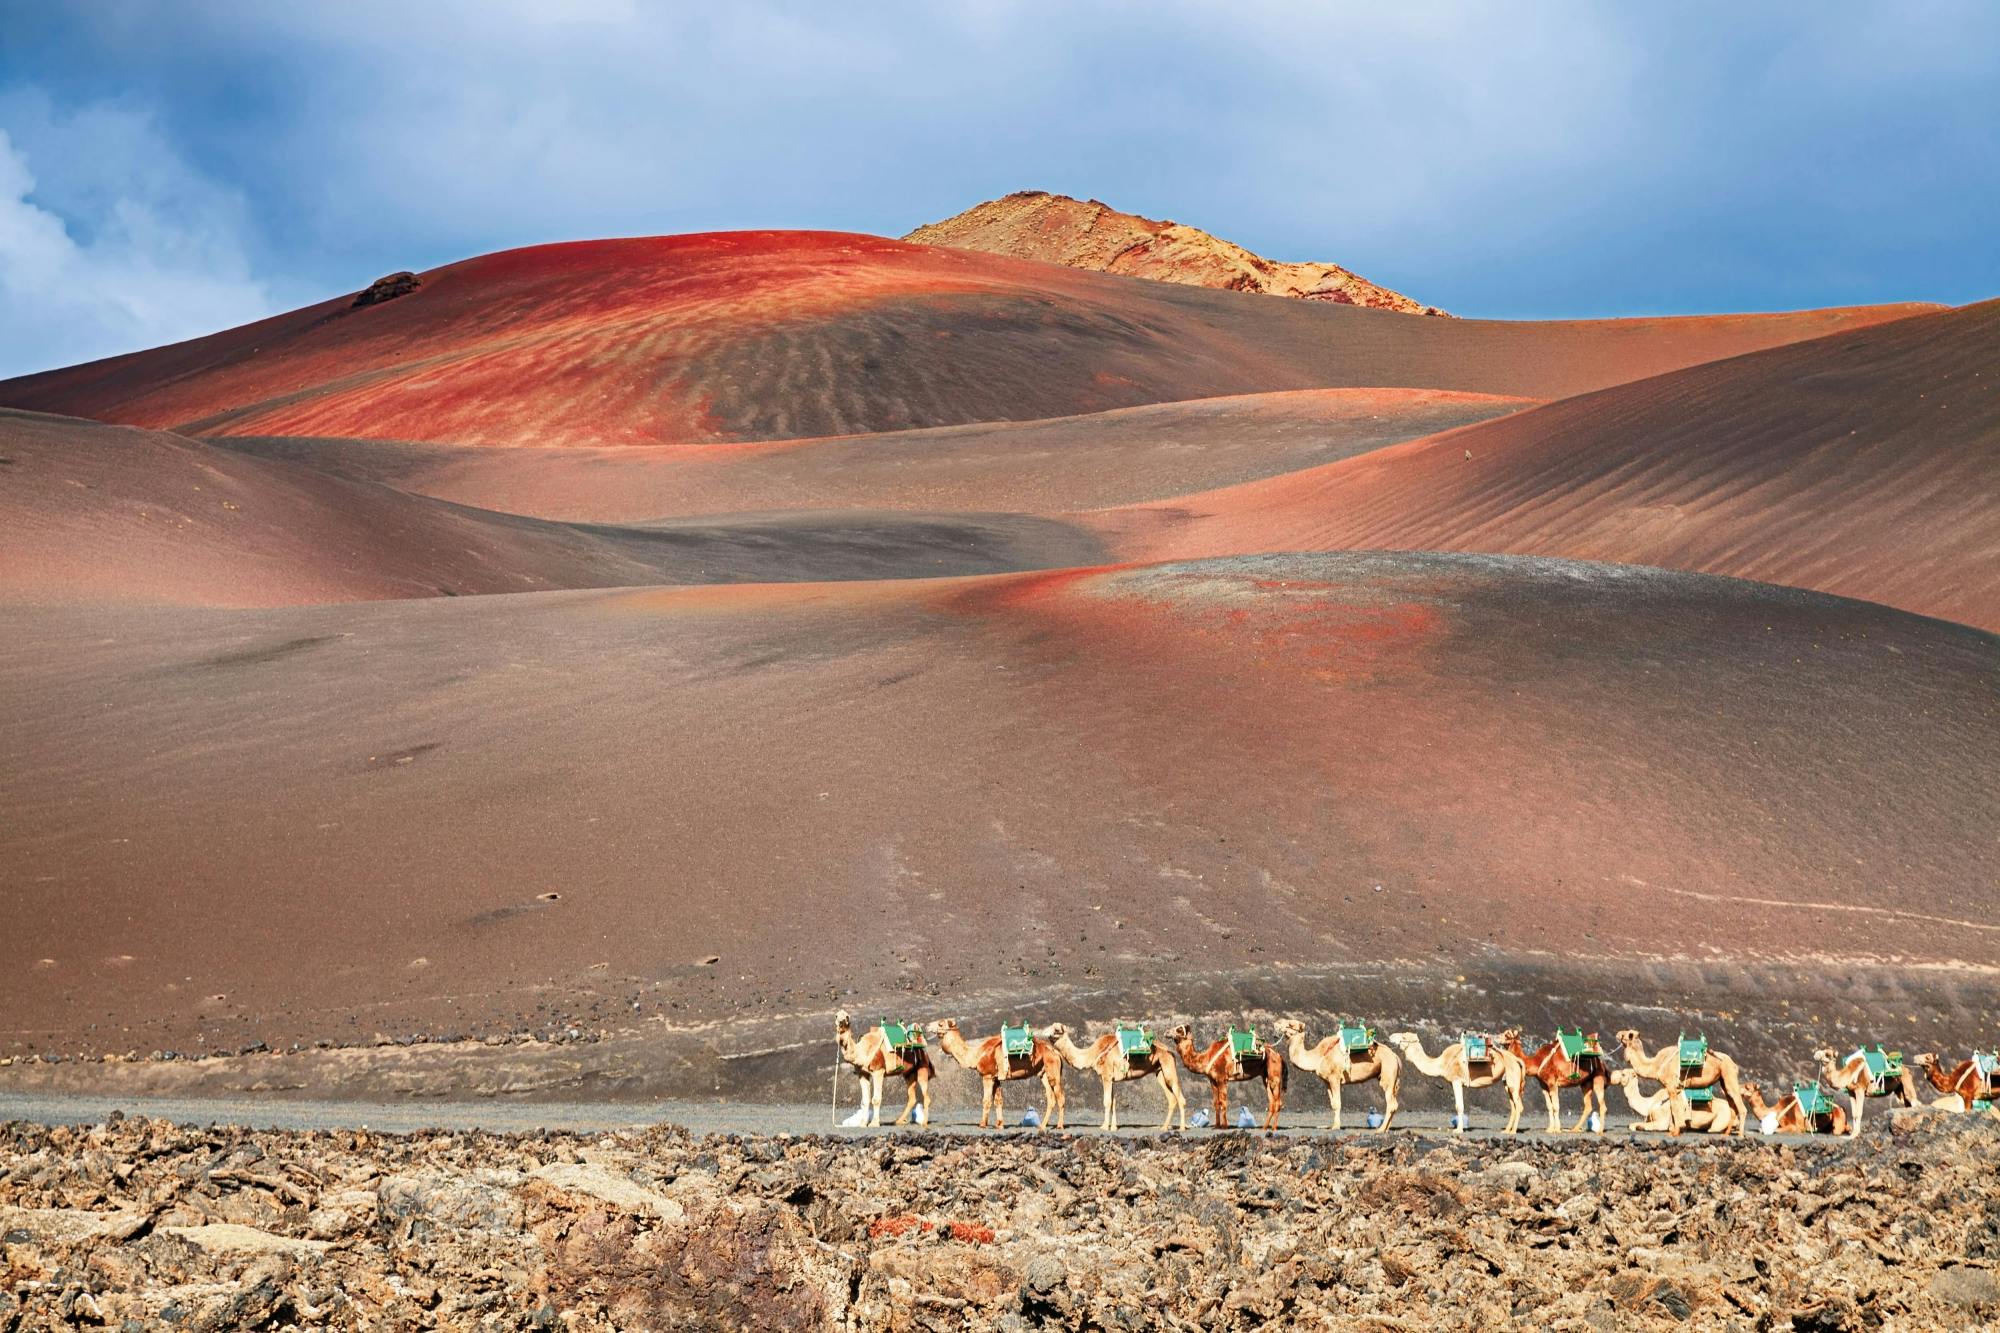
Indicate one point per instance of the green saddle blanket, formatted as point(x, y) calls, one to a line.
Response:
point(1694, 1051)
point(1135, 1041)
point(1884, 1068)
point(1988, 1064)
point(1812, 1100)
point(1576, 1047)
point(1016, 1041)
point(1243, 1041)
point(903, 1036)
point(1698, 1096)
point(1357, 1038)
point(1478, 1048)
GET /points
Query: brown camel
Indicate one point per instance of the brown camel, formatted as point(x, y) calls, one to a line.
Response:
point(1664, 1067)
point(1658, 1111)
point(1555, 1068)
point(1501, 1066)
point(873, 1058)
point(995, 1069)
point(1337, 1065)
point(1113, 1065)
point(1788, 1117)
point(1853, 1077)
point(1963, 1086)
point(1221, 1067)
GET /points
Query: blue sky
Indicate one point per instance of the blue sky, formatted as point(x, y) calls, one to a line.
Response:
point(170, 169)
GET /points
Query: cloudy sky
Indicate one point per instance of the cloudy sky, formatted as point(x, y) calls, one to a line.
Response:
point(169, 169)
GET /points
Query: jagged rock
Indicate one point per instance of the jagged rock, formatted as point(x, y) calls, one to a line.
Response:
point(387, 288)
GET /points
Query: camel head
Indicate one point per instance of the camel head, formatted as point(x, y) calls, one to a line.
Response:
point(1622, 1077)
point(1056, 1032)
point(1290, 1027)
point(841, 1022)
point(1629, 1037)
point(1928, 1060)
point(1180, 1030)
point(942, 1026)
point(1824, 1055)
point(1401, 1040)
point(1511, 1037)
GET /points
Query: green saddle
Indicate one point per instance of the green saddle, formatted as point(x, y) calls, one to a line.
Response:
point(1981, 1104)
point(1813, 1101)
point(1698, 1096)
point(1243, 1041)
point(1988, 1064)
point(903, 1036)
point(1478, 1048)
point(1883, 1068)
point(1134, 1040)
point(1016, 1041)
point(1694, 1051)
point(1576, 1047)
point(1358, 1038)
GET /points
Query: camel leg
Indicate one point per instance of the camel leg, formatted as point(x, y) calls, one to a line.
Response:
point(999, 1100)
point(1552, 1099)
point(1515, 1105)
point(1858, 1096)
point(909, 1097)
point(924, 1090)
point(1110, 1118)
point(1732, 1087)
point(988, 1086)
point(1274, 1094)
point(875, 1107)
point(1055, 1102)
point(1458, 1095)
point(1333, 1098)
point(1389, 1102)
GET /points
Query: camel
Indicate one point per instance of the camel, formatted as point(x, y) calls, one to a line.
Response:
point(1216, 1063)
point(1788, 1117)
point(1554, 1068)
point(996, 1069)
point(1853, 1077)
point(1114, 1066)
point(1337, 1066)
point(1503, 1067)
point(1664, 1067)
point(1658, 1111)
point(873, 1059)
point(1964, 1085)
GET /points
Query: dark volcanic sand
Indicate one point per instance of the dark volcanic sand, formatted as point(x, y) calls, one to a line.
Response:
point(1041, 467)
point(329, 821)
point(110, 514)
point(1863, 464)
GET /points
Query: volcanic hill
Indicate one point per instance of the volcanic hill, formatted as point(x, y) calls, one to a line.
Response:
point(685, 635)
point(1087, 234)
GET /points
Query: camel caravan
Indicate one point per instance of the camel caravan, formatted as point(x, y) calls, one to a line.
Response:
point(1687, 1086)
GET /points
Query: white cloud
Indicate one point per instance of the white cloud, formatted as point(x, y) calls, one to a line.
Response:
point(118, 247)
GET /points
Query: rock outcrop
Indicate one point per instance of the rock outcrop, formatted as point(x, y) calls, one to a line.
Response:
point(1087, 234)
point(141, 1224)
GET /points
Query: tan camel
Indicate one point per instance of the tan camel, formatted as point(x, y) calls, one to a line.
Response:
point(1553, 1067)
point(995, 1069)
point(1113, 1066)
point(873, 1058)
point(1664, 1067)
point(1337, 1066)
point(1788, 1117)
point(1964, 1085)
point(1658, 1111)
point(1853, 1077)
point(1502, 1066)
point(1221, 1067)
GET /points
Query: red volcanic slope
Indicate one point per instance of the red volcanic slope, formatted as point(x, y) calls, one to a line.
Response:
point(1124, 456)
point(112, 514)
point(1863, 464)
point(774, 335)
point(1025, 789)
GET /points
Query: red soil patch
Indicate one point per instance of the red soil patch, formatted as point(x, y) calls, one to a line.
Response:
point(770, 335)
point(1861, 464)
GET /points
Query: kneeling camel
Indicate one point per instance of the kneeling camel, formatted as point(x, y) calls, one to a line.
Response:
point(1659, 1111)
point(1664, 1068)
